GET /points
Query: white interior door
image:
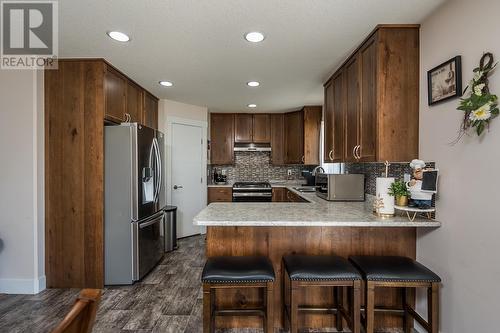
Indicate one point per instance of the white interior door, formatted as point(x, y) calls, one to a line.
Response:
point(187, 176)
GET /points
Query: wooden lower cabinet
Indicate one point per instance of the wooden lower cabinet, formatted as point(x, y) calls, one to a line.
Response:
point(279, 194)
point(220, 194)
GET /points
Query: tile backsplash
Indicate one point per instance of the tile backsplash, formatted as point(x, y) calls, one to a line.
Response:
point(256, 166)
point(377, 169)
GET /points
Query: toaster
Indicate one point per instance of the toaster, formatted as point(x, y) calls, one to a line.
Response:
point(340, 187)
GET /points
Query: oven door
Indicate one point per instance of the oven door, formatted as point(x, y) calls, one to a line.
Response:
point(252, 196)
point(149, 244)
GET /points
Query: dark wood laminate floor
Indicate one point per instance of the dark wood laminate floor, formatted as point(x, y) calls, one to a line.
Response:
point(168, 300)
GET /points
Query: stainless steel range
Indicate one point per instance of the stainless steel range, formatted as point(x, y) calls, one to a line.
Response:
point(252, 192)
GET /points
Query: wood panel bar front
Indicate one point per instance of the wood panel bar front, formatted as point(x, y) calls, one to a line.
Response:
point(275, 242)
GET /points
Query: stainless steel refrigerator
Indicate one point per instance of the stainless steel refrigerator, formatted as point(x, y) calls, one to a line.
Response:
point(134, 199)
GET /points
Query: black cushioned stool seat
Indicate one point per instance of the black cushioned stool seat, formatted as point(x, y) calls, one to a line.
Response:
point(312, 268)
point(393, 268)
point(303, 271)
point(237, 272)
point(237, 269)
point(406, 275)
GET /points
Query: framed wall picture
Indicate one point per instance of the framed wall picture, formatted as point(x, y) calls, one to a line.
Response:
point(445, 81)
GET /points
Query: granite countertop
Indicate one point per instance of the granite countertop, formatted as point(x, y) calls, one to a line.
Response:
point(315, 212)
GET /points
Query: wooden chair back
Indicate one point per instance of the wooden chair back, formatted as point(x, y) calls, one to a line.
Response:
point(81, 317)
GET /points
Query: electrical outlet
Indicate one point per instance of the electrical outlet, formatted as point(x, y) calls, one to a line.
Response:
point(289, 172)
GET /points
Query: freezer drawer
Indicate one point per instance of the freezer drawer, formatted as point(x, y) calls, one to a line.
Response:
point(149, 244)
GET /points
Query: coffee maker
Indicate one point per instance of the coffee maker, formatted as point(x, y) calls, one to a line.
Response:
point(220, 177)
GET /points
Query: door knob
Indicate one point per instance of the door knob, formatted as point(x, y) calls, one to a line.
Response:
point(177, 187)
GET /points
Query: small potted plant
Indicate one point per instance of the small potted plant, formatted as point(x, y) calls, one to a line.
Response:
point(399, 191)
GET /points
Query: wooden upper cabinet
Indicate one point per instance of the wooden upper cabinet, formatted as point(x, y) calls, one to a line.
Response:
point(338, 117)
point(312, 131)
point(150, 111)
point(261, 128)
point(352, 109)
point(294, 137)
point(328, 118)
point(368, 108)
point(124, 98)
point(222, 138)
point(377, 89)
point(277, 139)
point(134, 102)
point(115, 92)
point(243, 128)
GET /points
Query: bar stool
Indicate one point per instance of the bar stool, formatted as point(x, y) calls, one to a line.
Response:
point(399, 272)
point(236, 272)
point(302, 271)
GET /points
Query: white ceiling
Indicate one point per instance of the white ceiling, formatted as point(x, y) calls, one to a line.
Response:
point(199, 45)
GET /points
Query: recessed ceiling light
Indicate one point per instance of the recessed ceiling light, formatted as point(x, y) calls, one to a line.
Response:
point(253, 84)
point(118, 36)
point(252, 105)
point(254, 37)
point(166, 83)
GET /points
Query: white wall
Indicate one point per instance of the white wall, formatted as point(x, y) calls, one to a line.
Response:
point(21, 182)
point(168, 108)
point(464, 251)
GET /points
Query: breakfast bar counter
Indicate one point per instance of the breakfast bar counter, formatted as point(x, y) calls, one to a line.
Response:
point(314, 227)
point(315, 212)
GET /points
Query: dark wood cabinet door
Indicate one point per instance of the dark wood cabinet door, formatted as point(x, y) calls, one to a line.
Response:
point(312, 130)
point(219, 194)
point(150, 111)
point(339, 103)
point(115, 91)
point(243, 128)
point(352, 108)
point(261, 128)
point(329, 121)
point(294, 137)
point(221, 138)
point(277, 139)
point(368, 108)
point(279, 194)
point(134, 102)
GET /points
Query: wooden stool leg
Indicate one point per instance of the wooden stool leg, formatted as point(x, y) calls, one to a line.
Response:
point(338, 297)
point(284, 298)
point(433, 307)
point(408, 299)
point(370, 307)
point(294, 307)
point(356, 307)
point(207, 309)
point(269, 308)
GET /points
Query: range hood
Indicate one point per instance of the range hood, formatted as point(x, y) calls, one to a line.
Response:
point(252, 147)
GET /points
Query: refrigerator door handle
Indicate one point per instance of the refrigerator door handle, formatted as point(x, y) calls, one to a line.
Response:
point(158, 170)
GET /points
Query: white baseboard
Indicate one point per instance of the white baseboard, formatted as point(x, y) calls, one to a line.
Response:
point(22, 286)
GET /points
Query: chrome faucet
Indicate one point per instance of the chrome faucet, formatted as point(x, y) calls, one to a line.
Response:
point(315, 170)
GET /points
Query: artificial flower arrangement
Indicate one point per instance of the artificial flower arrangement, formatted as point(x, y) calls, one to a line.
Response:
point(481, 106)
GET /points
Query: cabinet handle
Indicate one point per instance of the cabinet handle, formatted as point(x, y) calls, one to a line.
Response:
point(127, 117)
point(354, 152)
point(330, 154)
point(303, 159)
